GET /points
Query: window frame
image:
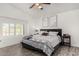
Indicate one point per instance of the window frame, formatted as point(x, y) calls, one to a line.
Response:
point(9, 29)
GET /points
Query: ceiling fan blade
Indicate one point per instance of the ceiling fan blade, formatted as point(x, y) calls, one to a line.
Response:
point(46, 3)
point(32, 6)
point(38, 5)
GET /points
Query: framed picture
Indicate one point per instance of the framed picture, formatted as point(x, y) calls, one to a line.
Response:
point(45, 22)
point(49, 22)
point(53, 21)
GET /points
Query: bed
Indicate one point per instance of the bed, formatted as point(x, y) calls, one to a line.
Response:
point(44, 43)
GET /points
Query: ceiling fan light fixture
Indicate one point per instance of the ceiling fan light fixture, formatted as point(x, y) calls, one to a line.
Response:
point(40, 7)
point(37, 4)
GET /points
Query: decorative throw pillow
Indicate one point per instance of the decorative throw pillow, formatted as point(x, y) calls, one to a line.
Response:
point(45, 34)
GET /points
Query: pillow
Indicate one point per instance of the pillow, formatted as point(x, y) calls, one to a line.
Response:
point(53, 33)
point(42, 32)
point(45, 34)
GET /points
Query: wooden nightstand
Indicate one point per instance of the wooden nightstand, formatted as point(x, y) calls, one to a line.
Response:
point(66, 40)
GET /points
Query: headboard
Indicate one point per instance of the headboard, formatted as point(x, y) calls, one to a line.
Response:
point(54, 30)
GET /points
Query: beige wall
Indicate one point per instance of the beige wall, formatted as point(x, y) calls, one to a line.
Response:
point(69, 22)
point(9, 14)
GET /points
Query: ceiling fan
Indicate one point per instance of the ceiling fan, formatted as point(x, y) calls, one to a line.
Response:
point(39, 5)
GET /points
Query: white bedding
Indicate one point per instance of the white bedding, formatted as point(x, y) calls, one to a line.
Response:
point(45, 43)
point(52, 41)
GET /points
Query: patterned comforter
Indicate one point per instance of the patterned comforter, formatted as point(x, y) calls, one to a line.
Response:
point(45, 43)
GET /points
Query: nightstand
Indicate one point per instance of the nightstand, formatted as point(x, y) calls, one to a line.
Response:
point(66, 40)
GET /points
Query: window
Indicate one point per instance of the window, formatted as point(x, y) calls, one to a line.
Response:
point(5, 29)
point(12, 29)
point(19, 29)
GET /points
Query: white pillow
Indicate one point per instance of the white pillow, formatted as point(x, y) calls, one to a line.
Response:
point(53, 33)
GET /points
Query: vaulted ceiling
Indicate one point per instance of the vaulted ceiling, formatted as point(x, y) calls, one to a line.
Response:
point(24, 11)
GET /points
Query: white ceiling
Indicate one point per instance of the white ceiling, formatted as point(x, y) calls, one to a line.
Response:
point(49, 10)
point(35, 13)
point(54, 8)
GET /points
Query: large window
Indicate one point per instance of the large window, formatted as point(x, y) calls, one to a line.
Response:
point(5, 29)
point(12, 29)
point(19, 29)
